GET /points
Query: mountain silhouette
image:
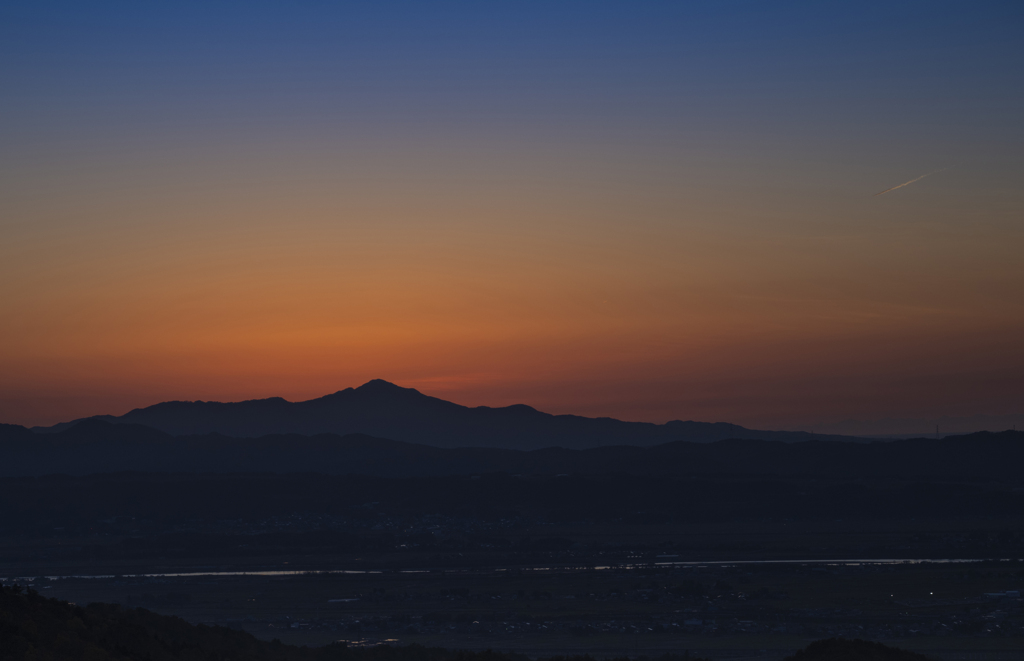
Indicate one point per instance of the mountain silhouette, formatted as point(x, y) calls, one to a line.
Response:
point(384, 410)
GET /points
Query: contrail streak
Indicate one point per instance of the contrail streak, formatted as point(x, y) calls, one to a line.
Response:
point(907, 183)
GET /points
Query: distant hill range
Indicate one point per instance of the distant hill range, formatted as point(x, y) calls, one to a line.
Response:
point(384, 410)
point(98, 446)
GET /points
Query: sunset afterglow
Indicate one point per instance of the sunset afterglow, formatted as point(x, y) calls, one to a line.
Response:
point(656, 214)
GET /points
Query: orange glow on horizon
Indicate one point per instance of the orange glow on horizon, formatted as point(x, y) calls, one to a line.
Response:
point(639, 266)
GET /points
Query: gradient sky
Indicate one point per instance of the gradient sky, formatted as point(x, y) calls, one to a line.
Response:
point(643, 210)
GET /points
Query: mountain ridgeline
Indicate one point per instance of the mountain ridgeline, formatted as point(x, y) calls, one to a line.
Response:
point(98, 446)
point(381, 429)
point(384, 410)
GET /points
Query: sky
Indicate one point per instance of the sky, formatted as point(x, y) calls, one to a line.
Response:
point(649, 211)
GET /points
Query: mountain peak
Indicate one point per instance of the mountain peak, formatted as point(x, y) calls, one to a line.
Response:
point(382, 386)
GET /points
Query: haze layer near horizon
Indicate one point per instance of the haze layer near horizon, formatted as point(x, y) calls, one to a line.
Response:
point(646, 212)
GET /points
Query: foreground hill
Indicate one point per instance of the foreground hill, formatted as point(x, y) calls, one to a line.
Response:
point(40, 629)
point(382, 409)
point(96, 446)
point(33, 627)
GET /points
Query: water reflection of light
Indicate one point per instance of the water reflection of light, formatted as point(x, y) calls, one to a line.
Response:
point(694, 564)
